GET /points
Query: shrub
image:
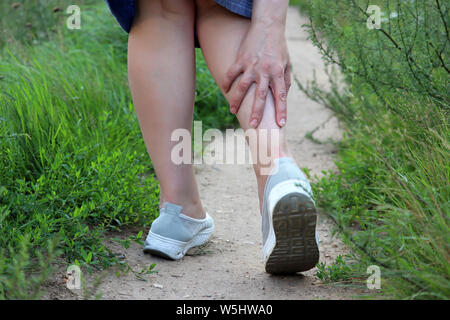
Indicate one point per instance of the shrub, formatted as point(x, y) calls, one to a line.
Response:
point(390, 197)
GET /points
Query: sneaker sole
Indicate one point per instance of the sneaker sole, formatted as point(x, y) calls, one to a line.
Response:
point(294, 224)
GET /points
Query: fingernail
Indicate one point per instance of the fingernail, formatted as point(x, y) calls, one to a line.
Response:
point(253, 123)
point(283, 122)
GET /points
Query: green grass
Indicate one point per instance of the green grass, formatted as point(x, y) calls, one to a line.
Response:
point(73, 163)
point(338, 271)
point(390, 194)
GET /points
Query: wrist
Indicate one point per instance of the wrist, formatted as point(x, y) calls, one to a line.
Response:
point(269, 30)
point(273, 25)
point(270, 13)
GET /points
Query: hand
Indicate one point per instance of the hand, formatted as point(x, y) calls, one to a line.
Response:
point(263, 59)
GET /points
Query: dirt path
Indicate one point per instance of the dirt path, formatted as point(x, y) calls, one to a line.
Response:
point(230, 266)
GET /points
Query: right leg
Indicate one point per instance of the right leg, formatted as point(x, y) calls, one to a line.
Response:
point(161, 66)
point(220, 34)
point(288, 214)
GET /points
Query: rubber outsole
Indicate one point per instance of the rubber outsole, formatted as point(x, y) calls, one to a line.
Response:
point(158, 253)
point(294, 222)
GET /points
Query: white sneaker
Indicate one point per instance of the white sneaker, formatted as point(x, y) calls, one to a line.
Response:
point(290, 242)
point(172, 234)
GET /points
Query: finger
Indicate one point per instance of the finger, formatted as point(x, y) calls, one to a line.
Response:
point(279, 93)
point(287, 77)
point(240, 91)
point(259, 102)
point(231, 75)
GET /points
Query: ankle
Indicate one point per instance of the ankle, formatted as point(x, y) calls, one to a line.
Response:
point(262, 175)
point(263, 172)
point(194, 210)
point(191, 208)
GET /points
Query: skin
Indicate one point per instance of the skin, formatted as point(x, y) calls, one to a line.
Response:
point(263, 59)
point(161, 64)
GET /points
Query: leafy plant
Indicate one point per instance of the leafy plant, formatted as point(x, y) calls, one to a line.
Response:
point(338, 271)
point(389, 87)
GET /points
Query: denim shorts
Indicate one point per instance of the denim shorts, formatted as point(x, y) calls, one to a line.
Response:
point(123, 10)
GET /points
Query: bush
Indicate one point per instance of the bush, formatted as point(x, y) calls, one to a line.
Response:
point(390, 196)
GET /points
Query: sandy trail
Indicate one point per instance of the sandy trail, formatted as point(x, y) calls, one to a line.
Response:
point(230, 266)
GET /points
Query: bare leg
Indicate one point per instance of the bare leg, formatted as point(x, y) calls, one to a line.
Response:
point(220, 34)
point(161, 64)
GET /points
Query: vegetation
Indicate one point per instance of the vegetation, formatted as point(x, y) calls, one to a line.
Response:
point(390, 196)
point(72, 160)
point(338, 271)
point(73, 164)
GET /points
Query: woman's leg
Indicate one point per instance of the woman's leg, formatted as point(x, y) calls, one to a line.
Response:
point(220, 33)
point(288, 215)
point(161, 64)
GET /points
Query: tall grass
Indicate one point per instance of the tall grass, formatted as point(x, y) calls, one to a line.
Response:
point(72, 160)
point(390, 197)
point(34, 21)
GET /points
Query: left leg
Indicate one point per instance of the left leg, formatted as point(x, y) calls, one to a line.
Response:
point(161, 66)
